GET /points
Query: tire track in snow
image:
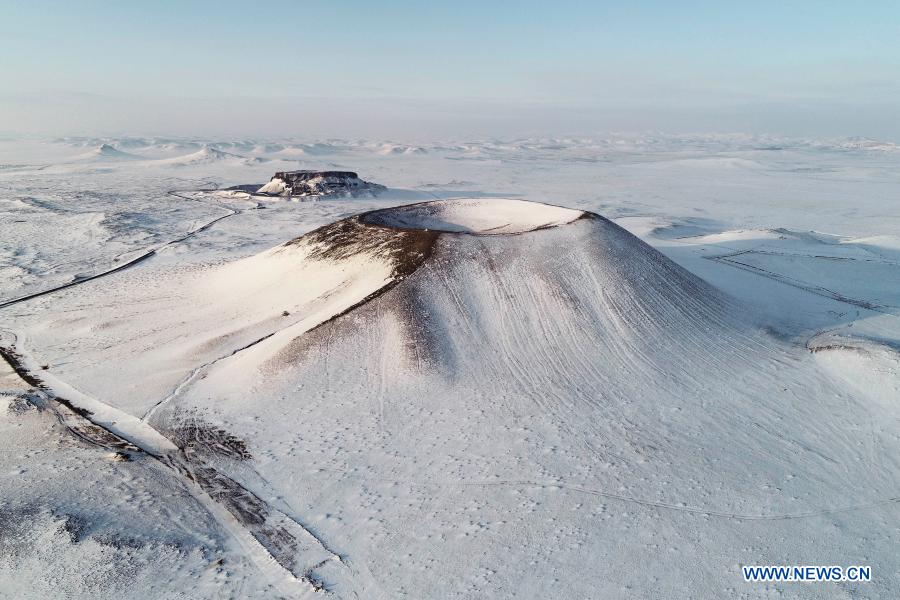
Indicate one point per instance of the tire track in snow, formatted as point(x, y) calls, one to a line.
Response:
point(729, 259)
point(680, 507)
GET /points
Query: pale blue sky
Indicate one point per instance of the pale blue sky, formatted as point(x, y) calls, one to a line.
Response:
point(415, 69)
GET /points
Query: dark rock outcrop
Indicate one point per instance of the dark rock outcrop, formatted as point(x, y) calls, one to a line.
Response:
point(308, 183)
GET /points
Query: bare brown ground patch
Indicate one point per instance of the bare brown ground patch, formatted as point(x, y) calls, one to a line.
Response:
point(198, 438)
point(344, 239)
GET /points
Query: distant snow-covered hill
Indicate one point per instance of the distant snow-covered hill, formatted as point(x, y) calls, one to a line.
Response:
point(106, 152)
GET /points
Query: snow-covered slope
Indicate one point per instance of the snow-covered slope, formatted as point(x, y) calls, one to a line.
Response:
point(105, 153)
point(207, 155)
point(189, 318)
point(457, 378)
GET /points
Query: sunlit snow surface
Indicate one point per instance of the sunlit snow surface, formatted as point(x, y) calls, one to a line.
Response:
point(477, 397)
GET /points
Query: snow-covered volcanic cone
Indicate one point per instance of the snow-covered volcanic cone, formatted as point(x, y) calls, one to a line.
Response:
point(105, 152)
point(478, 216)
point(207, 155)
point(498, 398)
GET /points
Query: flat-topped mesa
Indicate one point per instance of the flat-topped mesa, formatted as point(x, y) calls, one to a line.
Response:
point(306, 175)
point(308, 183)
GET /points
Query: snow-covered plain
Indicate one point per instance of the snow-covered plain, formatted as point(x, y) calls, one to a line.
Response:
point(491, 392)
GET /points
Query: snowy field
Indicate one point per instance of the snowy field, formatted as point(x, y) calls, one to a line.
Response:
point(497, 394)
